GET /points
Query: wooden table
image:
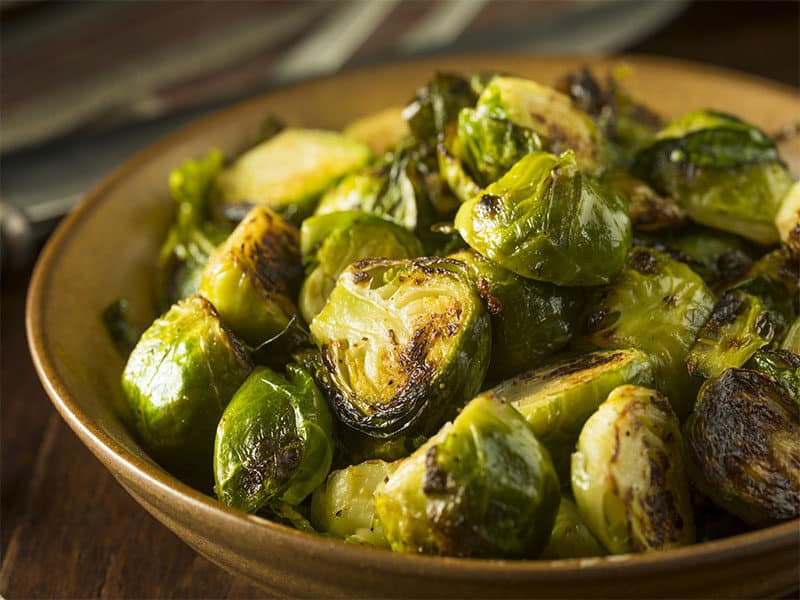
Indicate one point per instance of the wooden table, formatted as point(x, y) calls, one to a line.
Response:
point(69, 530)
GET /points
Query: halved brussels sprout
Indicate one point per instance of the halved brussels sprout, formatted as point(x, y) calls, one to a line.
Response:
point(738, 327)
point(381, 131)
point(791, 340)
point(483, 486)
point(179, 378)
point(545, 220)
point(787, 221)
point(649, 211)
point(436, 105)
point(274, 441)
point(570, 537)
point(332, 242)
point(251, 278)
point(725, 172)
point(405, 344)
point(548, 113)
point(344, 506)
point(628, 474)
point(782, 365)
point(556, 400)
point(742, 441)
point(657, 305)
point(530, 320)
point(488, 146)
point(290, 171)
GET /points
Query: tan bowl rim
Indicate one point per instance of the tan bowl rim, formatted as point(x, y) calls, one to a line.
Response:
point(148, 475)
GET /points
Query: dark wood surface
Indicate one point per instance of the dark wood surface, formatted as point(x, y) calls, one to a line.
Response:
point(67, 528)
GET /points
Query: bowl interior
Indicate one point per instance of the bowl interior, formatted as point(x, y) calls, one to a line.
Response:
point(107, 247)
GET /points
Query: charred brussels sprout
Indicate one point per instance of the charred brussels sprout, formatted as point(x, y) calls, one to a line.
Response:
point(548, 113)
point(649, 211)
point(738, 327)
point(782, 268)
point(725, 172)
point(344, 506)
point(628, 474)
point(556, 400)
point(331, 242)
point(251, 278)
point(570, 537)
point(405, 344)
point(290, 171)
point(787, 221)
point(657, 305)
point(546, 220)
point(530, 320)
point(782, 365)
point(179, 378)
point(274, 441)
point(742, 445)
point(436, 105)
point(791, 340)
point(483, 486)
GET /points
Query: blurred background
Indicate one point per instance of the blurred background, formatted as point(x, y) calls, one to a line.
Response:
point(86, 84)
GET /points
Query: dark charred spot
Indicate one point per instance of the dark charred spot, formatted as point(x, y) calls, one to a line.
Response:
point(664, 521)
point(644, 262)
point(727, 309)
point(600, 320)
point(670, 301)
point(493, 303)
point(489, 205)
point(360, 276)
point(764, 325)
point(733, 264)
point(338, 513)
point(435, 479)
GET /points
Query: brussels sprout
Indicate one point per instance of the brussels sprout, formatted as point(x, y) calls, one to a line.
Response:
point(452, 168)
point(344, 506)
point(781, 365)
point(358, 191)
point(489, 146)
point(333, 241)
point(782, 268)
point(191, 238)
point(483, 486)
point(556, 400)
point(725, 172)
point(648, 210)
point(742, 446)
point(739, 326)
point(791, 340)
point(290, 171)
point(274, 441)
point(530, 320)
point(405, 343)
point(657, 305)
point(570, 537)
point(436, 105)
point(251, 278)
point(787, 221)
point(546, 220)
point(381, 131)
point(548, 113)
point(628, 474)
point(179, 378)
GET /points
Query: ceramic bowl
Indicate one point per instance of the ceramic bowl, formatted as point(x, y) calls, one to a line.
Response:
point(106, 249)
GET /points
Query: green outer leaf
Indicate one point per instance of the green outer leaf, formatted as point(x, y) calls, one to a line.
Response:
point(570, 537)
point(782, 365)
point(791, 341)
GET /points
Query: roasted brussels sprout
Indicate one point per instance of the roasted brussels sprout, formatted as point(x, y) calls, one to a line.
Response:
point(483, 486)
point(548, 113)
point(725, 172)
point(179, 378)
point(331, 242)
point(782, 365)
point(530, 320)
point(628, 474)
point(556, 400)
point(344, 506)
point(545, 220)
point(405, 344)
point(251, 278)
point(381, 131)
point(274, 441)
point(738, 327)
point(791, 340)
point(570, 537)
point(649, 211)
point(290, 171)
point(787, 221)
point(657, 305)
point(192, 238)
point(782, 268)
point(436, 105)
point(742, 441)
point(488, 146)
point(359, 192)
